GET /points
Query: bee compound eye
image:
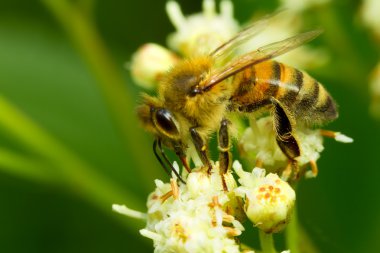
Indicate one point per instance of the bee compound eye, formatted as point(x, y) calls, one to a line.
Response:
point(165, 121)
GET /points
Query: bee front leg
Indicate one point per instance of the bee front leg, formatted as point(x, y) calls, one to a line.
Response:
point(224, 151)
point(284, 130)
point(201, 148)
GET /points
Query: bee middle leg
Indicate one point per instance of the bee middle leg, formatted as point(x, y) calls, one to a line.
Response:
point(225, 158)
point(201, 148)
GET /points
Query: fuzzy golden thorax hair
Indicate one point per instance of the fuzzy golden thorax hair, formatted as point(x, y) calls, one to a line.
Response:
point(204, 110)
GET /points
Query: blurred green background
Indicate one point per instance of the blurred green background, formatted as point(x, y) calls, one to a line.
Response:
point(70, 145)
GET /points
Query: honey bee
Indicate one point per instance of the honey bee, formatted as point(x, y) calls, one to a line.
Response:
point(195, 96)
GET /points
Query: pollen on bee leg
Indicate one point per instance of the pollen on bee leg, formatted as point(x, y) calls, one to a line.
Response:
point(175, 189)
point(336, 135)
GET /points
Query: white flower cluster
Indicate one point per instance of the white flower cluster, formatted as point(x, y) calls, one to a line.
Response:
point(200, 216)
point(196, 217)
point(258, 142)
point(200, 33)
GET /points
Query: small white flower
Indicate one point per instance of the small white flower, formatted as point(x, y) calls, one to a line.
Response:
point(269, 201)
point(149, 63)
point(200, 33)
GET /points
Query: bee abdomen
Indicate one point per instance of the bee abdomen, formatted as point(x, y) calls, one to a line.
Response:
point(312, 103)
point(305, 98)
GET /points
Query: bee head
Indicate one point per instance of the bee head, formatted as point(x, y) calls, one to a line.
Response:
point(159, 120)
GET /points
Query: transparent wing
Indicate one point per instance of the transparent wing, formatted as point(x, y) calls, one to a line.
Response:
point(259, 55)
point(226, 49)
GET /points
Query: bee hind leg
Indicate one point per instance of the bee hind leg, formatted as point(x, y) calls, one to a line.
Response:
point(225, 158)
point(284, 133)
point(201, 148)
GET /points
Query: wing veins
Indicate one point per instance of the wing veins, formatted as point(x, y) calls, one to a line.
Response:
point(259, 55)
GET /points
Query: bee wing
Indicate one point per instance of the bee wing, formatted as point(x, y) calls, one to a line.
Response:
point(226, 49)
point(259, 55)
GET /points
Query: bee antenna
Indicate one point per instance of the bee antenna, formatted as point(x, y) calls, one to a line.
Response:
point(159, 158)
point(168, 162)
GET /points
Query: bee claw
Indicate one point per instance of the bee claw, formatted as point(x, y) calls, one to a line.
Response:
point(185, 163)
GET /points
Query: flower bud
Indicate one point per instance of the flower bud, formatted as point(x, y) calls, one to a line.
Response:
point(149, 63)
point(269, 201)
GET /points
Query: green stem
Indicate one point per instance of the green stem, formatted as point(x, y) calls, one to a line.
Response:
point(296, 238)
point(266, 241)
point(86, 38)
point(292, 233)
point(81, 178)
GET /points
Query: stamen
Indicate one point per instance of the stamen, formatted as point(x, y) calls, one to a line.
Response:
point(175, 189)
point(314, 168)
point(232, 231)
point(336, 135)
point(166, 196)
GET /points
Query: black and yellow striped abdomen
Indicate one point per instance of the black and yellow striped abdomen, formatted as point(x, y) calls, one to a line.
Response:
point(305, 98)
